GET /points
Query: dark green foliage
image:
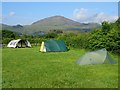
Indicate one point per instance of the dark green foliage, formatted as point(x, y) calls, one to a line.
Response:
point(108, 37)
point(8, 34)
point(96, 40)
point(6, 40)
point(74, 40)
point(51, 35)
point(106, 27)
point(57, 31)
point(118, 21)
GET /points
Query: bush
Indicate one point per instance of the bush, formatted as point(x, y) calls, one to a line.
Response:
point(74, 40)
point(108, 38)
point(6, 40)
point(51, 35)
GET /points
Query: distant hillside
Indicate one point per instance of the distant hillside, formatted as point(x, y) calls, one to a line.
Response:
point(51, 23)
point(16, 28)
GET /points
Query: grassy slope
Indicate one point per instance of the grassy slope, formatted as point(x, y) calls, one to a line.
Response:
point(27, 67)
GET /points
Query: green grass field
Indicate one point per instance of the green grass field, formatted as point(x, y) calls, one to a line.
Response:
point(29, 68)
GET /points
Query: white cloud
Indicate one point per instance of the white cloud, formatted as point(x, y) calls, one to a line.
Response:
point(80, 13)
point(100, 17)
point(4, 17)
point(86, 16)
point(11, 13)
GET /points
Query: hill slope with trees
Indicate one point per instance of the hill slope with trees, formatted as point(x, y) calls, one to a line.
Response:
point(108, 36)
point(51, 23)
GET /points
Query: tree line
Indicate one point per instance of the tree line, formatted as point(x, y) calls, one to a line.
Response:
point(108, 36)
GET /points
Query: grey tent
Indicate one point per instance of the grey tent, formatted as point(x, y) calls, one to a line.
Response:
point(96, 57)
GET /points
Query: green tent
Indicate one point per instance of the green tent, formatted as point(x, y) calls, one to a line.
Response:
point(53, 46)
point(96, 57)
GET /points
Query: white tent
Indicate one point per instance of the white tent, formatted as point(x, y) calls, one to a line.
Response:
point(19, 43)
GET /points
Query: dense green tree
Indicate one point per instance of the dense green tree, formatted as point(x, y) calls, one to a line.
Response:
point(105, 27)
point(8, 34)
point(108, 37)
point(51, 35)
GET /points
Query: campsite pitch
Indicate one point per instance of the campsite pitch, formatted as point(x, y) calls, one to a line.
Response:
point(29, 68)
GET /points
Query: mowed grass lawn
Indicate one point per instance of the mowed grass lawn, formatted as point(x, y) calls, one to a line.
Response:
point(29, 68)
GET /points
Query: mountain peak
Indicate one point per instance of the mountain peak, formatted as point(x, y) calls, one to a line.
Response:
point(55, 19)
point(58, 16)
point(18, 26)
point(51, 23)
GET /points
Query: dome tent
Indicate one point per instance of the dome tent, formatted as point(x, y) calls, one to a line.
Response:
point(96, 57)
point(19, 43)
point(53, 46)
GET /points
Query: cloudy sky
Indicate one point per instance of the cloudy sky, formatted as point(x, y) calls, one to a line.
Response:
point(28, 12)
